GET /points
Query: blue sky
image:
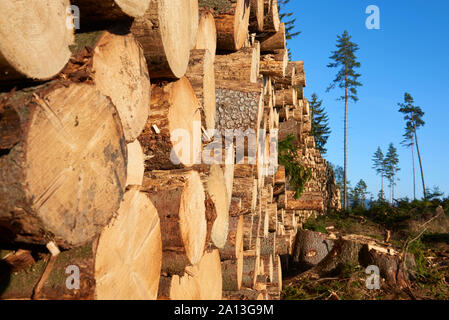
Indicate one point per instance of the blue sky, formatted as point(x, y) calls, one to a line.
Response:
point(410, 53)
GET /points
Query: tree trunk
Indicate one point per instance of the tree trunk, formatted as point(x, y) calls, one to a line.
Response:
point(165, 32)
point(207, 33)
point(346, 139)
point(414, 176)
point(135, 165)
point(232, 25)
point(117, 65)
point(172, 135)
point(201, 75)
point(420, 163)
point(256, 19)
point(68, 188)
point(179, 198)
point(35, 39)
point(123, 264)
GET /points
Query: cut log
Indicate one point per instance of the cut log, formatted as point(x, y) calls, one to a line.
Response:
point(277, 273)
point(66, 189)
point(286, 97)
point(123, 264)
point(299, 79)
point(215, 187)
point(234, 244)
point(290, 74)
point(35, 39)
point(232, 21)
point(165, 34)
point(179, 198)
point(256, 18)
point(129, 252)
point(279, 177)
point(236, 207)
point(232, 272)
point(268, 265)
point(275, 41)
point(271, 16)
point(202, 77)
point(251, 264)
point(209, 276)
point(117, 65)
point(242, 66)
point(194, 22)
point(136, 164)
point(95, 14)
point(307, 201)
point(174, 112)
point(185, 287)
point(274, 66)
point(207, 33)
point(228, 172)
point(246, 190)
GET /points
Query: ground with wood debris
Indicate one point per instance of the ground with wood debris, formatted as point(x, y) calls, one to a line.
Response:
point(414, 227)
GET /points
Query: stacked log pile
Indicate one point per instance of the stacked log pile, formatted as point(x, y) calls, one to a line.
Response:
point(109, 155)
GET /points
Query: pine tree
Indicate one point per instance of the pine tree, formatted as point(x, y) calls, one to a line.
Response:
point(346, 78)
point(379, 166)
point(409, 142)
point(289, 24)
point(413, 117)
point(391, 166)
point(320, 123)
point(359, 194)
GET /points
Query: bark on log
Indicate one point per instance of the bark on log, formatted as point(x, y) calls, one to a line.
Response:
point(271, 16)
point(35, 39)
point(67, 189)
point(244, 188)
point(117, 65)
point(123, 264)
point(242, 66)
point(287, 80)
point(172, 135)
point(94, 14)
point(307, 201)
point(299, 79)
point(232, 23)
point(274, 41)
point(179, 198)
point(165, 34)
point(207, 33)
point(286, 97)
point(201, 75)
point(277, 273)
point(232, 273)
point(244, 294)
point(236, 207)
point(256, 18)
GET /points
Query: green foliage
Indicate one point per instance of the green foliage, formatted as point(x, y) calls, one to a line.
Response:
point(345, 59)
point(297, 174)
point(320, 123)
point(358, 194)
point(391, 163)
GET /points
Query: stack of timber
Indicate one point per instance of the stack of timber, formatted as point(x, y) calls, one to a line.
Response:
point(140, 151)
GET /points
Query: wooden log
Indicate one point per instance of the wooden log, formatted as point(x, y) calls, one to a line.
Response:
point(165, 32)
point(215, 187)
point(136, 164)
point(95, 14)
point(209, 276)
point(234, 244)
point(201, 75)
point(117, 66)
point(180, 199)
point(172, 135)
point(277, 273)
point(35, 39)
point(287, 80)
point(307, 201)
point(256, 18)
point(236, 207)
point(244, 188)
point(279, 177)
point(66, 189)
point(286, 97)
point(299, 79)
point(207, 33)
point(268, 265)
point(123, 264)
point(274, 41)
point(176, 287)
point(271, 16)
point(228, 173)
point(268, 244)
point(251, 264)
point(242, 65)
point(272, 209)
point(194, 22)
point(232, 273)
point(232, 21)
point(274, 65)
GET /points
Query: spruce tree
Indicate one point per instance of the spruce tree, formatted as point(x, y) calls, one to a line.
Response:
point(359, 194)
point(320, 123)
point(392, 167)
point(413, 118)
point(346, 78)
point(379, 166)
